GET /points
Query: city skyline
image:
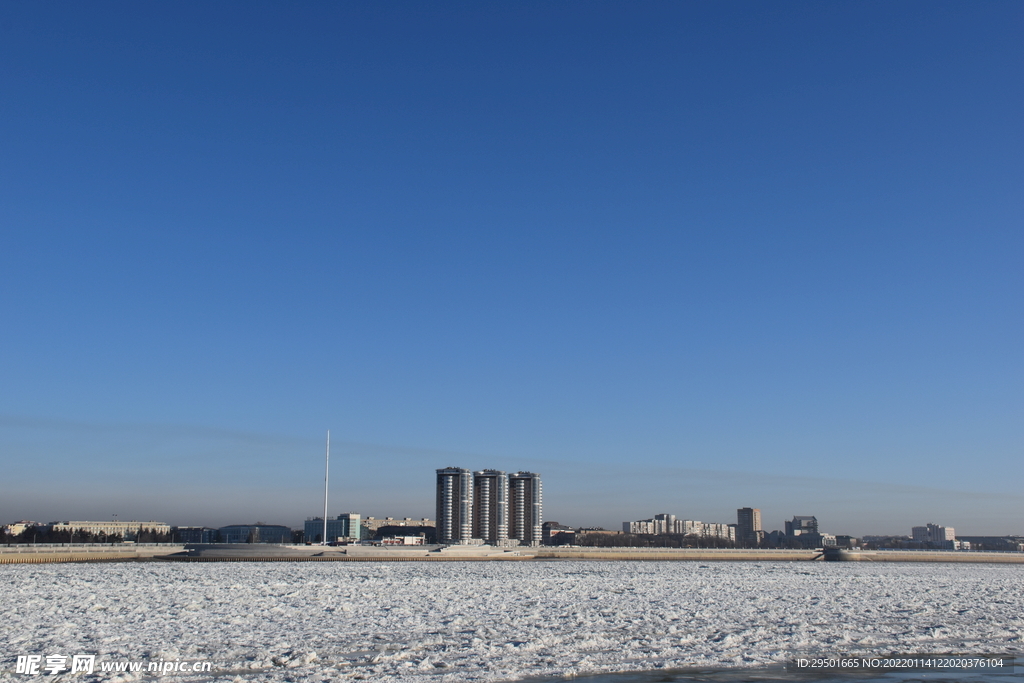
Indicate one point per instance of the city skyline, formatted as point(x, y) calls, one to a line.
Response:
point(684, 257)
point(855, 526)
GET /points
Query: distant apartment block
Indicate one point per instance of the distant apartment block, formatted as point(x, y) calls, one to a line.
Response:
point(748, 527)
point(933, 533)
point(342, 529)
point(128, 531)
point(939, 537)
point(668, 524)
point(802, 525)
point(641, 526)
point(489, 506)
point(691, 527)
point(803, 531)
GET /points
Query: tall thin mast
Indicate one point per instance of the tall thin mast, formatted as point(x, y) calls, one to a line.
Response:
point(327, 481)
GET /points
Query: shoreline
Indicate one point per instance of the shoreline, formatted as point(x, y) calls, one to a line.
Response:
point(292, 553)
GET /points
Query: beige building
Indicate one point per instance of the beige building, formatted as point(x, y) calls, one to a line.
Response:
point(17, 528)
point(129, 531)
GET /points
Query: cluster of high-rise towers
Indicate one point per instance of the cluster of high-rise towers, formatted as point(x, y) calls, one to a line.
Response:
point(488, 506)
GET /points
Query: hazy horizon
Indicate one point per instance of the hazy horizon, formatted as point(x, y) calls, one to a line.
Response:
point(399, 482)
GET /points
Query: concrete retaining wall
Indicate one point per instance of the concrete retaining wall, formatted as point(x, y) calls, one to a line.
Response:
point(680, 554)
point(82, 552)
point(339, 558)
point(980, 556)
point(29, 554)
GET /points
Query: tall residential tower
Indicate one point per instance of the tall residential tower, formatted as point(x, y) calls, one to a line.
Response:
point(525, 522)
point(454, 505)
point(490, 504)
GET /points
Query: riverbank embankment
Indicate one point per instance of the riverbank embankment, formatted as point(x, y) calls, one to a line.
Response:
point(45, 553)
point(898, 555)
point(262, 552)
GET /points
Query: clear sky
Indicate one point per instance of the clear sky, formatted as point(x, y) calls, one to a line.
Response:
point(676, 257)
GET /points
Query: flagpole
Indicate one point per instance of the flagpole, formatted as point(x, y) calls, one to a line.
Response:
point(327, 479)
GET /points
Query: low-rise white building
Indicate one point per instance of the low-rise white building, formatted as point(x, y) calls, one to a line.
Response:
point(402, 540)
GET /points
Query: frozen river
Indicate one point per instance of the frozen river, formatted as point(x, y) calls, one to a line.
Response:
point(496, 621)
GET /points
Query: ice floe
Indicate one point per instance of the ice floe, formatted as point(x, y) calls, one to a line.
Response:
point(420, 622)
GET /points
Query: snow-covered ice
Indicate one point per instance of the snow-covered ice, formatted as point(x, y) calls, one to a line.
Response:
point(497, 621)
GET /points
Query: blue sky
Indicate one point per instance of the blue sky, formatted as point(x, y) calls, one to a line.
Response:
point(676, 257)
